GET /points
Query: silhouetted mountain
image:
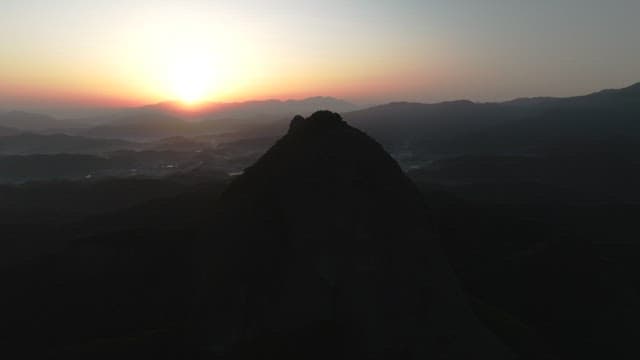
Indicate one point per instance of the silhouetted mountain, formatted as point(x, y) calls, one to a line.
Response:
point(522, 125)
point(169, 119)
point(324, 249)
point(406, 124)
point(30, 143)
point(607, 171)
point(606, 116)
point(34, 122)
point(321, 250)
point(256, 109)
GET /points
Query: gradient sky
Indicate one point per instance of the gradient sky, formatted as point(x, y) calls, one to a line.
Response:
point(62, 54)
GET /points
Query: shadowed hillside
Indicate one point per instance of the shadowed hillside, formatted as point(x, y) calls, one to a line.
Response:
point(519, 126)
point(34, 122)
point(321, 250)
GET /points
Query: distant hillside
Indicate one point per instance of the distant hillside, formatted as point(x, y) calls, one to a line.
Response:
point(7, 131)
point(142, 126)
point(515, 126)
point(61, 200)
point(605, 116)
point(170, 119)
point(402, 123)
point(34, 122)
point(30, 143)
point(18, 168)
point(251, 109)
point(607, 171)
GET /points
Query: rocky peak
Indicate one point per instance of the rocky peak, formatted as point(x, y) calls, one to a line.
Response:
point(318, 121)
point(325, 243)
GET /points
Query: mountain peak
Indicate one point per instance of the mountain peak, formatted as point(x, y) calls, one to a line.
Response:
point(317, 121)
point(323, 233)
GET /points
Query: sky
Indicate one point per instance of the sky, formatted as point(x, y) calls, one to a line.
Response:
point(75, 54)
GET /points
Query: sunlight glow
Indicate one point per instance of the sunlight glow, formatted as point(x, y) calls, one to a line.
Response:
point(187, 58)
point(192, 78)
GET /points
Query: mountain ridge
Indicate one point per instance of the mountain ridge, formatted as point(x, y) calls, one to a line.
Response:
point(326, 239)
point(34, 143)
point(29, 121)
point(459, 127)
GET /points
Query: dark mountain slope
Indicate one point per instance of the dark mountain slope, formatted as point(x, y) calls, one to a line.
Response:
point(101, 287)
point(605, 116)
point(403, 124)
point(320, 250)
point(20, 168)
point(608, 171)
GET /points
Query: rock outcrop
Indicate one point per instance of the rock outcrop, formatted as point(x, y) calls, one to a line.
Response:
point(324, 249)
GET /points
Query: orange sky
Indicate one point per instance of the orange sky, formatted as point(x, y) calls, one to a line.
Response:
point(66, 53)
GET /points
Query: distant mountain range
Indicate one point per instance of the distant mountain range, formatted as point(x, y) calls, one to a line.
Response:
point(34, 122)
point(521, 125)
point(449, 127)
point(170, 118)
point(31, 143)
point(249, 109)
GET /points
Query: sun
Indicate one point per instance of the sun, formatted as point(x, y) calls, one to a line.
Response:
point(192, 79)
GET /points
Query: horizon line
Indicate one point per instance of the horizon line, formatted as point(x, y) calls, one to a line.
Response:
point(359, 105)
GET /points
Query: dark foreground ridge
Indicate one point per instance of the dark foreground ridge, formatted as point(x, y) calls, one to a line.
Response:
point(320, 251)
